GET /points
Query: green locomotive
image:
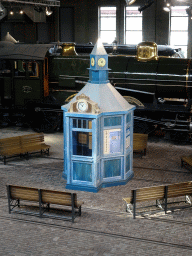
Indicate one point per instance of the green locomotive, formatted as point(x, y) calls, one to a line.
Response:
point(37, 79)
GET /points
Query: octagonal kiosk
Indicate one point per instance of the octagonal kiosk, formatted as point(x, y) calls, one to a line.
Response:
point(98, 132)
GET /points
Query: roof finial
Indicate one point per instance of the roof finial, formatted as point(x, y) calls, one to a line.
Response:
point(99, 48)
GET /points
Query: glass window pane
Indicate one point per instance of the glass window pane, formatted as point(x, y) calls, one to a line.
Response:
point(108, 23)
point(20, 68)
point(128, 118)
point(179, 38)
point(179, 28)
point(179, 23)
point(108, 11)
point(89, 124)
point(133, 23)
point(184, 50)
point(128, 163)
point(74, 123)
point(133, 11)
point(179, 11)
point(82, 143)
point(133, 37)
point(108, 36)
point(112, 121)
point(79, 123)
point(84, 124)
point(33, 69)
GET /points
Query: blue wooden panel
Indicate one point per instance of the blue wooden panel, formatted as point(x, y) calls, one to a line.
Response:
point(99, 77)
point(98, 173)
point(98, 136)
point(112, 168)
point(82, 171)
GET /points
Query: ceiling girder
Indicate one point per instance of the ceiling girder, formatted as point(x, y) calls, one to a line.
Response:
point(36, 2)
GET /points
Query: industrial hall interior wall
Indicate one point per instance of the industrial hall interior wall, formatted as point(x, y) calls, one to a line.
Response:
point(77, 21)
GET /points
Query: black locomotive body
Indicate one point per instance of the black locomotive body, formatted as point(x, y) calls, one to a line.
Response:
point(35, 80)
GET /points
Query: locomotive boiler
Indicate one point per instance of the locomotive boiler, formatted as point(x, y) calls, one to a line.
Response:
point(37, 79)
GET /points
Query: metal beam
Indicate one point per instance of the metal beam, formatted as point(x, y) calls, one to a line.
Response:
point(36, 2)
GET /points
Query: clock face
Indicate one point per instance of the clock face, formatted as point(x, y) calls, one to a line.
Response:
point(82, 106)
point(92, 61)
point(101, 62)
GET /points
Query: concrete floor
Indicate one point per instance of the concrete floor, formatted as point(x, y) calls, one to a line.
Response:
point(105, 228)
point(55, 140)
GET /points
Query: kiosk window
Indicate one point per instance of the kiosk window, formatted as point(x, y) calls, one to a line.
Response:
point(82, 137)
point(112, 121)
point(82, 143)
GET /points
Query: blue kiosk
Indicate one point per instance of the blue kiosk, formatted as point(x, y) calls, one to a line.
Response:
point(98, 132)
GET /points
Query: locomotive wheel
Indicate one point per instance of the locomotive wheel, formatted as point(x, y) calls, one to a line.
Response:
point(46, 121)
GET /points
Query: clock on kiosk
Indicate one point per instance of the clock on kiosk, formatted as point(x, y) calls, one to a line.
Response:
point(101, 62)
point(82, 105)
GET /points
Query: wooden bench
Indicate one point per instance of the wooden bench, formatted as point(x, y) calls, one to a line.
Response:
point(10, 147)
point(140, 143)
point(23, 145)
point(34, 142)
point(158, 193)
point(186, 161)
point(44, 197)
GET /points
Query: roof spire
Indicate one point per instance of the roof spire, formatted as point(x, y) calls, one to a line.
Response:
point(99, 48)
point(98, 71)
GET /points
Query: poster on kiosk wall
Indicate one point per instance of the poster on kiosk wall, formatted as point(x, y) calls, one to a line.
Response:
point(112, 141)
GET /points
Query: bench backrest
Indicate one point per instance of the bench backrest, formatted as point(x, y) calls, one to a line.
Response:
point(33, 138)
point(57, 197)
point(158, 192)
point(10, 143)
point(18, 141)
point(149, 193)
point(48, 196)
point(139, 141)
point(24, 193)
point(180, 189)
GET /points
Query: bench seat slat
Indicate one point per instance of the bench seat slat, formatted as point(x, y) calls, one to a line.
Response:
point(10, 152)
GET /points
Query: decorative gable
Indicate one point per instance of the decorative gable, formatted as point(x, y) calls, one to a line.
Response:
point(83, 104)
